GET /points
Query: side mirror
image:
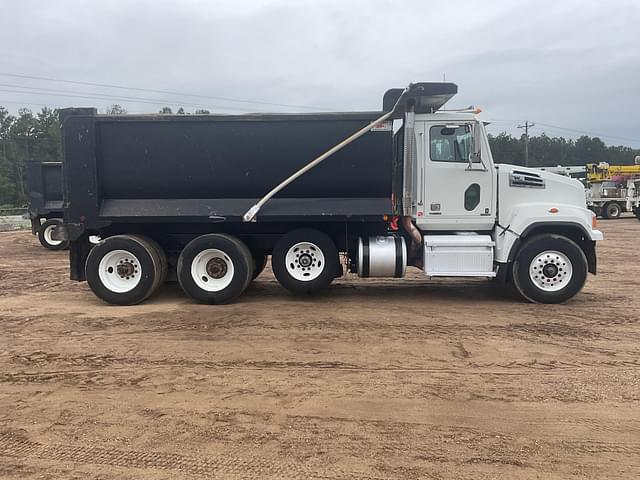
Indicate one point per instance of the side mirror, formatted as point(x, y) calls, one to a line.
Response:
point(475, 156)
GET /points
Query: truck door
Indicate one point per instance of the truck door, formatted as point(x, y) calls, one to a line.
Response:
point(456, 194)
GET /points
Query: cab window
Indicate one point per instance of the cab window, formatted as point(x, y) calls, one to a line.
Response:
point(451, 143)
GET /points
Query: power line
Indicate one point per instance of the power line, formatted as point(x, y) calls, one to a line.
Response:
point(592, 134)
point(37, 104)
point(166, 92)
point(100, 96)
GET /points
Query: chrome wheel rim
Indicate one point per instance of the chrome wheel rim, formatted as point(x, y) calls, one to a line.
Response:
point(120, 271)
point(304, 261)
point(212, 270)
point(551, 271)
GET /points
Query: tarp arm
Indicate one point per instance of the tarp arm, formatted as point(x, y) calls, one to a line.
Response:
point(253, 211)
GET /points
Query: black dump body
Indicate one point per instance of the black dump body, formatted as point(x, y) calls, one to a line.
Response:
point(44, 191)
point(213, 168)
point(174, 177)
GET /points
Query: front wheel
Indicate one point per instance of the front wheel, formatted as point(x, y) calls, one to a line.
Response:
point(549, 269)
point(45, 235)
point(305, 261)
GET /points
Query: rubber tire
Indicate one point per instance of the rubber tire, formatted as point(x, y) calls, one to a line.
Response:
point(331, 260)
point(259, 263)
point(149, 262)
point(534, 246)
point(43, 241)
point(160, 260)
point(612, 210)
point(242, 265)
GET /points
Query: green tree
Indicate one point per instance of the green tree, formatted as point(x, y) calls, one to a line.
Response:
point(47, 147)
point(115, 109)
point(7, 183)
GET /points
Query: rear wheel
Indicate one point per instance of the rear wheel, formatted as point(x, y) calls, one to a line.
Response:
point(305, 261)
point(45, 235)
point(612, 210)
point(160, 259)
point(124, 269)
point(549, 269)
point(215, 268)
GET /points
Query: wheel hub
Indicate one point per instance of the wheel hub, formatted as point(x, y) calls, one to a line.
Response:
point(125, 269)
point(216, 268)
point(305, 260)
point(550, 270)
point(120, 271)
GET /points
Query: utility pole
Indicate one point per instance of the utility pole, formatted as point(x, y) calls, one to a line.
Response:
point(527, 125)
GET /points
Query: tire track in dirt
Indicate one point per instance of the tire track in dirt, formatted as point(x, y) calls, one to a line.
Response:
point(241, 324)
point(106, 362)
point(255, 466)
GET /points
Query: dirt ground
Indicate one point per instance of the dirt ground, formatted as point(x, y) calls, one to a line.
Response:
point(372, 380)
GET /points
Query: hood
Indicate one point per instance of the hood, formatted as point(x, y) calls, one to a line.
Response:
point(549, 187)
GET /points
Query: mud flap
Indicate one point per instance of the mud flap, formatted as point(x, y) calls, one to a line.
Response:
point(35, 225)
point(589, 248)
point(78, 251)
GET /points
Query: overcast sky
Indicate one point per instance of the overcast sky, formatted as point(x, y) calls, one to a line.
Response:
point(571, 65)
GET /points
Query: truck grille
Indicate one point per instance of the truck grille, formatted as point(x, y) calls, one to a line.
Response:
point(518, 178)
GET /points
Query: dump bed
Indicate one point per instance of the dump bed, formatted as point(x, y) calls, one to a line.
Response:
point(44, 188)
point(199, 168)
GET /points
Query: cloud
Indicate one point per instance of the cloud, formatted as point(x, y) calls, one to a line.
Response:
point(573, 64)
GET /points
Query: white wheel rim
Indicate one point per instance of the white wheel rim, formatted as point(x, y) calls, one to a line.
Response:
point(551, 271)
point(212, 270)
point(48, 232)
point(120, 271)
point(304, 261)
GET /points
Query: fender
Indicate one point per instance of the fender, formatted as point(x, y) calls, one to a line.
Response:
point(522, 218)
point(587, 243)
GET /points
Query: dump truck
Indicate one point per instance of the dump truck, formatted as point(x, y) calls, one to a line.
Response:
point(205, 199)
point(44, 193)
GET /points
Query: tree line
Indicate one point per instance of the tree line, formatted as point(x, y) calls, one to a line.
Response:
point(36, 136)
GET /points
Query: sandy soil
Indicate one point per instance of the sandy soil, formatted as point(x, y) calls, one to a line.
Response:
point(372, 380)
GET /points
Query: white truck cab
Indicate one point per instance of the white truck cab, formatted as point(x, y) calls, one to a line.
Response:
point(478, 218)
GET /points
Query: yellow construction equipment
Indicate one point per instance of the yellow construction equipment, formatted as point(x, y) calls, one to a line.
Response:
point(603, 171)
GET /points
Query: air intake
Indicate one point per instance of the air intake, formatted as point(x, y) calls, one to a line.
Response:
point(519, 178)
